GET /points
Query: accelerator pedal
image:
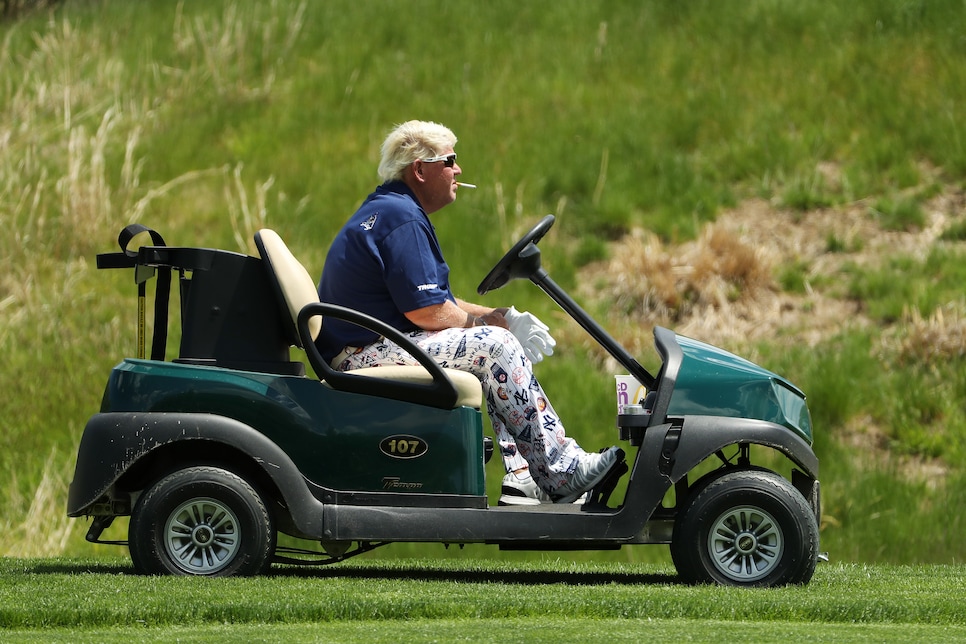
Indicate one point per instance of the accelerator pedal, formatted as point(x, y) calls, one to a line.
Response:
point(599, 496)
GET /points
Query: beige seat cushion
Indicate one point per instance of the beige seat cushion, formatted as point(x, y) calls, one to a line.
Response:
point(468, 388)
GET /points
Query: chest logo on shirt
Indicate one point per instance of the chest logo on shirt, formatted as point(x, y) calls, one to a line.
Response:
point(369, 223)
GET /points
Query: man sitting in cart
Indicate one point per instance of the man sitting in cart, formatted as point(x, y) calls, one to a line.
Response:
point(386, 262)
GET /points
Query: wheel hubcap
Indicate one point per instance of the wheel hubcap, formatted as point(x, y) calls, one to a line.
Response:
point(745, 543)
point(202, 536)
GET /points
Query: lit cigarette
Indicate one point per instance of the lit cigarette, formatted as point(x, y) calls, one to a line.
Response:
point(465, 185)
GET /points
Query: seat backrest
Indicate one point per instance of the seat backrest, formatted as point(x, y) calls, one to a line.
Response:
point(295, 290)
point(295, 286)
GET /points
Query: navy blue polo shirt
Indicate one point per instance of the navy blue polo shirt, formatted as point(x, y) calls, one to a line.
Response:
point(385, 261)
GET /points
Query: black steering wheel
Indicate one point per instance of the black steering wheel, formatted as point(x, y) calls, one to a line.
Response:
point(520, 262)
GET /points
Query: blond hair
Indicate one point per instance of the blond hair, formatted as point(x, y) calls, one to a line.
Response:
point(410, 141)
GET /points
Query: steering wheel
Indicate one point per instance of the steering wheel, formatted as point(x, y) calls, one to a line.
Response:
point(520, 262)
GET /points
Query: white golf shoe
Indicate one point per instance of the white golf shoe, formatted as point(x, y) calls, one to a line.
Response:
point(591, 470)
point(523, 490)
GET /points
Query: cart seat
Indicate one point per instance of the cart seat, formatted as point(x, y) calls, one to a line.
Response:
point(296, 289)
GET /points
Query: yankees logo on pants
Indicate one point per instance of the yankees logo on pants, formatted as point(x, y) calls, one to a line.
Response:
point(526, 426)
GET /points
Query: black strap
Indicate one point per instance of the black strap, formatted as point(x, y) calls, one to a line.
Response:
point(162, 291)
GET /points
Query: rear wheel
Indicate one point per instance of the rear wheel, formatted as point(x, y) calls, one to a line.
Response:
point(746, 528)
point(202, 521)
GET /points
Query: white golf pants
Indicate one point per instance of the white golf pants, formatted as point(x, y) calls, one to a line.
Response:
point(527, 428)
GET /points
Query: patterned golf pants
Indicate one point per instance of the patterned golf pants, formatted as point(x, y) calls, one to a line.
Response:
point(526, 426)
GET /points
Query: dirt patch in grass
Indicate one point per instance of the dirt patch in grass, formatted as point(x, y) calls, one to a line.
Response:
point(759, 272)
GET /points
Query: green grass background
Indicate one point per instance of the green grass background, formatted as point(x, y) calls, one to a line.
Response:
point(95, 600)
point(209, 120)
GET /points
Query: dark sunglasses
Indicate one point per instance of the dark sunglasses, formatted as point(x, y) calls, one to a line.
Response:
point(448, 160)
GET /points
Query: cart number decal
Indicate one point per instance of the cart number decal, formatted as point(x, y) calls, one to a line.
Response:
point(403, 446)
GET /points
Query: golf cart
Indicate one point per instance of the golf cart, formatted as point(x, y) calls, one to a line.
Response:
point(214, 453)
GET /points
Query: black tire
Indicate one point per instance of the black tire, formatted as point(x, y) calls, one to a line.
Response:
point(746, 528)
point(202, 521)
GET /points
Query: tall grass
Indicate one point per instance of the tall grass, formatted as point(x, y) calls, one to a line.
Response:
point(71, 170)
point(209, 120)
point(30, 525)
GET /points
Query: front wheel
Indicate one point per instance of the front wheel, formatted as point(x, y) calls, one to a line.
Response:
point(202, 521)
point(746, 528)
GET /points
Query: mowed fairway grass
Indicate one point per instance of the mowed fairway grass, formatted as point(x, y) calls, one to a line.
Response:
point(425, 600)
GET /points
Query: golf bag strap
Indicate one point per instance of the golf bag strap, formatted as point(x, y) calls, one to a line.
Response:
point(162, 290)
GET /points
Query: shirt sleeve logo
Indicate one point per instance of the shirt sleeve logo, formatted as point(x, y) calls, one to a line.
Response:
point(369, 223)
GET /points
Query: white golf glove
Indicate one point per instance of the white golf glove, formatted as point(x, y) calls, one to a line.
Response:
point(533, 334)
